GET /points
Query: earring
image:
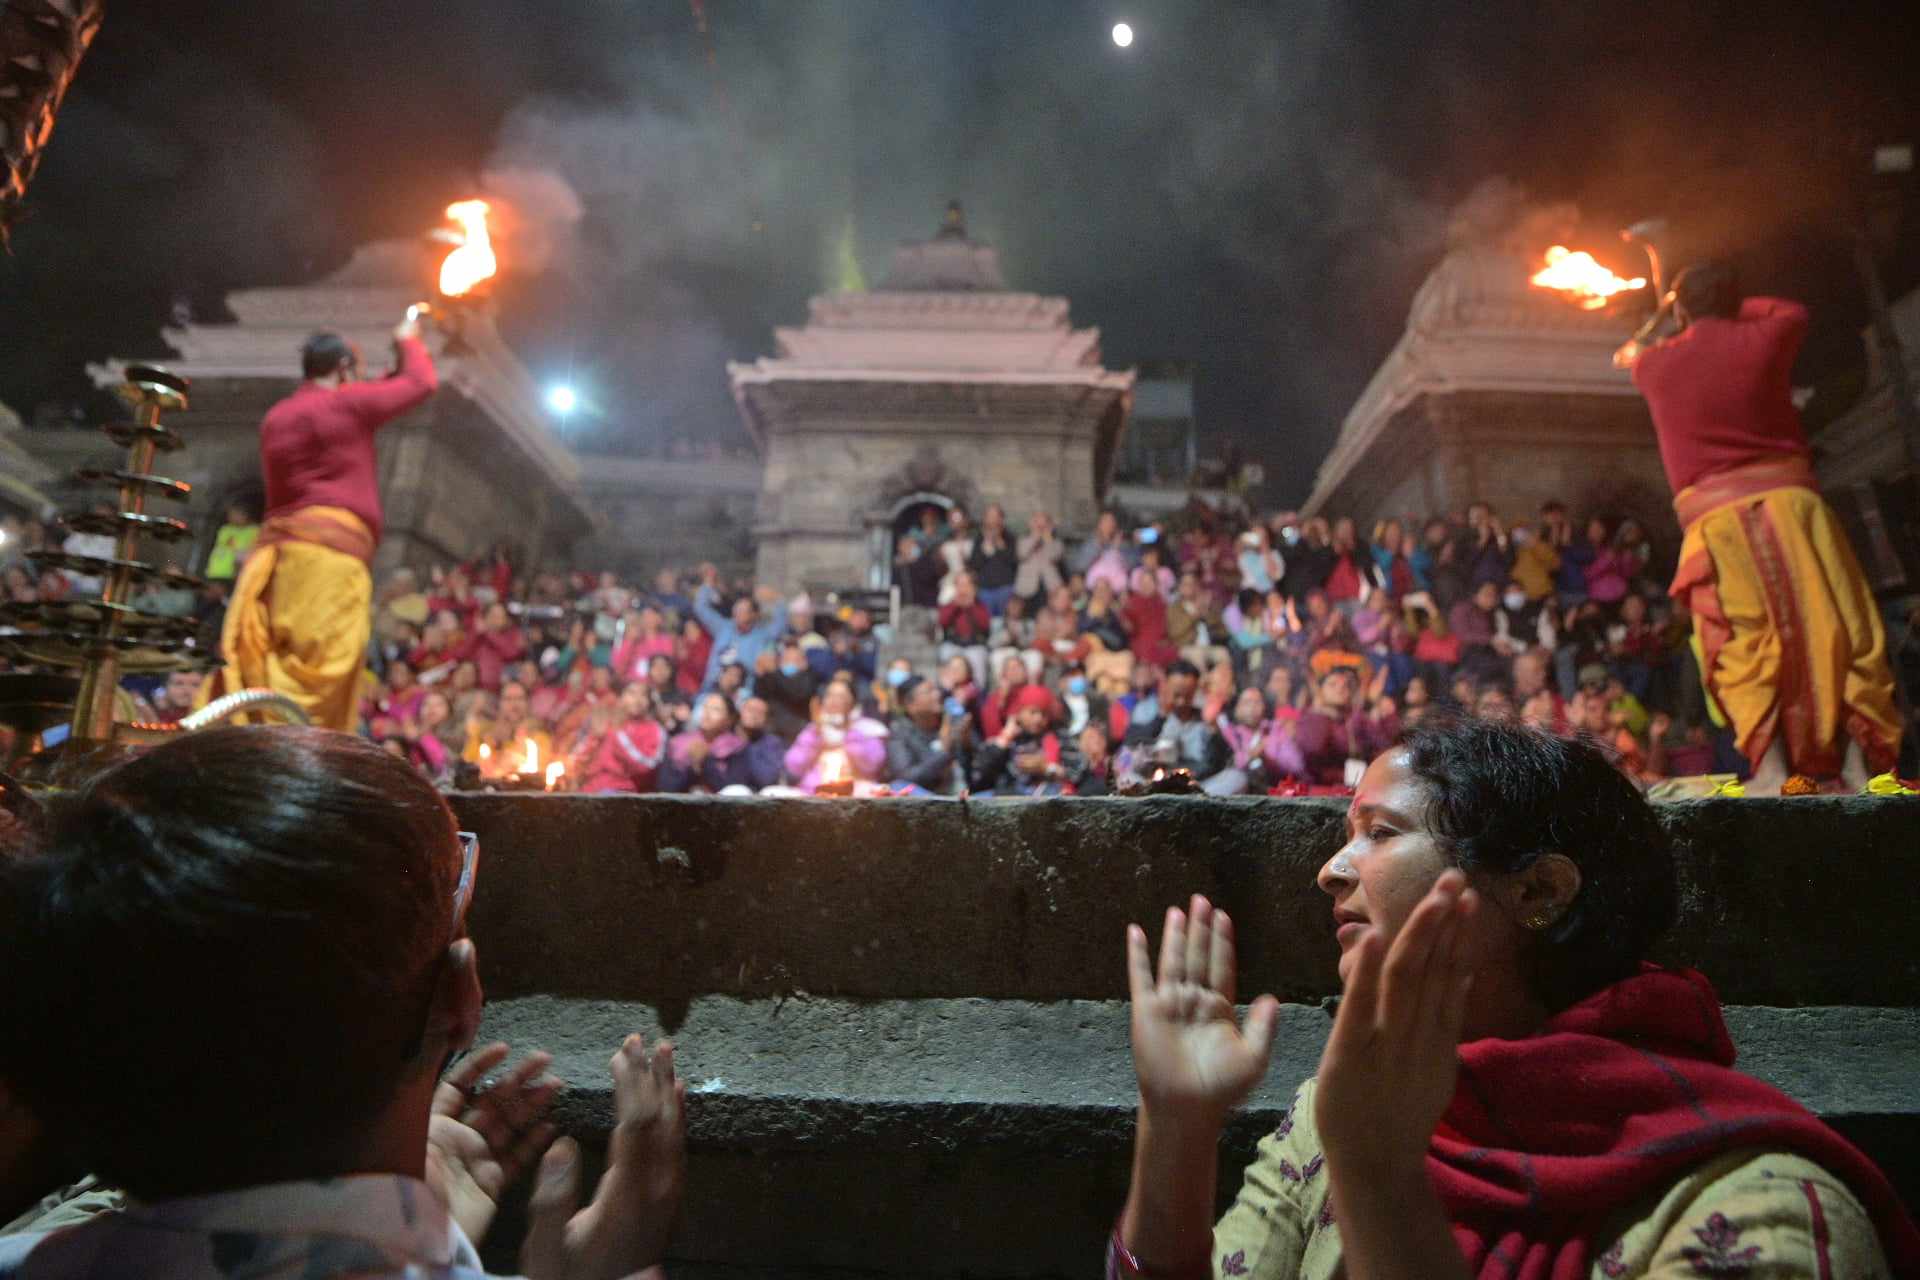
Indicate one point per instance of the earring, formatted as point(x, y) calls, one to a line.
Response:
point(1539, 922)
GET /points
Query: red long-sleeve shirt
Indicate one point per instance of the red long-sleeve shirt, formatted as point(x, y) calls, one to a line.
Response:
point(1721, 393)
point(316, 446)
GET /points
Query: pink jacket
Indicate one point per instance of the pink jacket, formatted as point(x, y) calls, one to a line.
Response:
point(866, 747)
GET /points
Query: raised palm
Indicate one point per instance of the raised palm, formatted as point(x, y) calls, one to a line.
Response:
point(1192, 1059)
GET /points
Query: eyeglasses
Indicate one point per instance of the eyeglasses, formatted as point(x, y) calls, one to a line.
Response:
point(469, 865)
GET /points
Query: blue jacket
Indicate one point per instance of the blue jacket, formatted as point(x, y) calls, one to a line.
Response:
point(730, 643)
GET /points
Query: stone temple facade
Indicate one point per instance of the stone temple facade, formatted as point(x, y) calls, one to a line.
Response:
point(1500, 391)
point(473, 466)
point(942, 386)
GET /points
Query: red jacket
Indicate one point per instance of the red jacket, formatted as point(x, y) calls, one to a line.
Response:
point(628, 758)
point(316, 446)
point(491, 652)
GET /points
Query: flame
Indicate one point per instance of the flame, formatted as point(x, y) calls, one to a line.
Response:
point(832, 765)
point(486, 753)
point(1584, 281)
point(472, 262)
point(530, 757)
point(555, 771)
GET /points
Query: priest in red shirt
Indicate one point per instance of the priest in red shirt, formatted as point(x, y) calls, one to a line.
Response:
point(302, 609)
point(1791, 646)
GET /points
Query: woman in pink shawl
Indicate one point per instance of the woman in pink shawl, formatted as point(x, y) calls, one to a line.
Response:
point(839, 744)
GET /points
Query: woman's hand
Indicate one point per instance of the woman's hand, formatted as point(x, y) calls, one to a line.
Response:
point(1194, 1063)
point(478, 1145)
point(1391, 1062)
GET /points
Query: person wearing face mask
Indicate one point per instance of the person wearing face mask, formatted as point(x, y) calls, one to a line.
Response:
point(1083, 705)
point(839, 744)
point(789, 684)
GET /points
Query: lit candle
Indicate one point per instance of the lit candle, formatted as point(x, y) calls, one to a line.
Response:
point(555, 772)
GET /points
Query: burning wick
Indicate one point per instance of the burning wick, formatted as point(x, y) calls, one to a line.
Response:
point(1583, 280)
point(530, 757)
point(555, 772)
point(486, 753)
point(472, 262)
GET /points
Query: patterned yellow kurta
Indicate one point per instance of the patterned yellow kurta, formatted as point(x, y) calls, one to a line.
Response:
point(1745, 1214)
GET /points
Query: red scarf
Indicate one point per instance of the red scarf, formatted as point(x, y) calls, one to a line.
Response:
point(1529, 1168)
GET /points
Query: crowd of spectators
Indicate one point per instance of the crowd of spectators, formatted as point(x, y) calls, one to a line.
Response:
point(1257, 654)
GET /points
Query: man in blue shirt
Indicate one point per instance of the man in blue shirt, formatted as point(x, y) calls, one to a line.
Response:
point(740, 635)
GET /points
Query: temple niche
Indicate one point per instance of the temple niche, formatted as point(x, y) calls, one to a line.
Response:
point(941, 386)
point(1498, 391)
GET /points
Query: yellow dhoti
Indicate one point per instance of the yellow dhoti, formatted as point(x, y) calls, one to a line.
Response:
point(301, 614)
point(1790, 642)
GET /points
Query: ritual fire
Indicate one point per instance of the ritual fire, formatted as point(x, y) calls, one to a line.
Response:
point(1583, 281)
point(472, 262)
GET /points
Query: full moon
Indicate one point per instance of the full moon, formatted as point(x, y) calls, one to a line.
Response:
point(562, 399)
point(1122, 34)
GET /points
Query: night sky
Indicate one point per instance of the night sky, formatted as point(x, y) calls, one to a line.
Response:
point(1256, 189)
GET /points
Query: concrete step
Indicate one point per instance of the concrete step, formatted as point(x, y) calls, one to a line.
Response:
point(991, 1138)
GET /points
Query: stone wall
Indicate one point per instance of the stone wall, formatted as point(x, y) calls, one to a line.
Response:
point(903, 1022)
point(660, 512)
point(824, 484)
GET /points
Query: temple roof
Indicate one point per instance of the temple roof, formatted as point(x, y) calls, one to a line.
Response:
point(950, 262)
point(1478, 325)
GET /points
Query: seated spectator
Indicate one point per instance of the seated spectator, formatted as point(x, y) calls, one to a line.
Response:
point(1283, 699)
point(762, 763)
point(1109, 660)
point(1261, 567)
point(497, 645)
point(1145, 614)
point(1056, 631)
point(1351, 570)
point(739, 635)
point(1107, 556)
point(1023, 758)
point(1182, 737)
point(732, 684)
point(1335, 736)
point(1194, 627)
point(788, 683)
point(1609, 570)
point(1082, 704)
point(956, 553)
point(966, 626)
point(1219, 691)
point(437, 738)
point(1496, 703)
point(1249, 631)
point(1474, 623)
point(511, 742)
point(296, 887)
point(700, 757)
point(644, 638)
point(840, 744)
point(993, 563)
point(1013, 636)
point(1536, 562)
point(927, 745)
point(1040, 552)
point(997, 708)
point(957, 683)
point(624, 746)
point(175, 699)
point(671, 707)
point(1666, 1163)
point(1090, 772)
point(1247, 732)
point(668, 596)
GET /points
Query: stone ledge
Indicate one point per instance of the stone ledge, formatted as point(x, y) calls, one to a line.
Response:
point(992, 1137)
point(665, 899)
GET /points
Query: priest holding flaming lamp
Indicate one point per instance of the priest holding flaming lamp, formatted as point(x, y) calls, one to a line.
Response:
point(301, 610)
point(1789, 640)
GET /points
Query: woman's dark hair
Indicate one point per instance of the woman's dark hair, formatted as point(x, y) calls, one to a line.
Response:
point(1709, 289)
point(324, 353)
point(220, 955)
point(1502, 796)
